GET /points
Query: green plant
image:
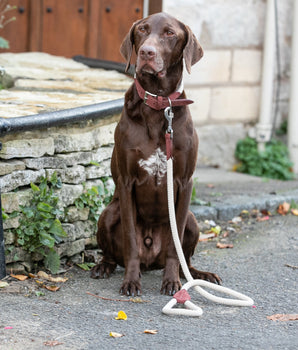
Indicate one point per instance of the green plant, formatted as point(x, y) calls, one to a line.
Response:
point(272, 163)
point(96, 199)
point(40, 227)
point(4, 8)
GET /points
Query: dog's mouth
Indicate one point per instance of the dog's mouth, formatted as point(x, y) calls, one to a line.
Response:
point(152, 68)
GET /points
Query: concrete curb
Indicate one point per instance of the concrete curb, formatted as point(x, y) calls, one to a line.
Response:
point(233, 205)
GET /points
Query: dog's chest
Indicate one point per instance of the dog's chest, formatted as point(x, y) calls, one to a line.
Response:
point(155, 165)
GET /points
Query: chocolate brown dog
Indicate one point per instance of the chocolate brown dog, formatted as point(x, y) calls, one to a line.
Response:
point(134, 229)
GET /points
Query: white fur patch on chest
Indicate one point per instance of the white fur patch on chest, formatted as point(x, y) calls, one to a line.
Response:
point(155, 165)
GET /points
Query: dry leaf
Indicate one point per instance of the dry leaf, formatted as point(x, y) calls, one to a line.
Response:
point(3, 284)
point(52, 343)
point(116, 335)
point(283, 208)
point(224, 245)
point(52, 288)
point(19, 277)
point(216, 229)
point(283, 317)
point(294, 212)
point(206, 236)
point(151, 331)
point(121, 316)
point(42, 274)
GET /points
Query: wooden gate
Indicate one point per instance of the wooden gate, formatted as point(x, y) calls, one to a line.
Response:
point(93, 28)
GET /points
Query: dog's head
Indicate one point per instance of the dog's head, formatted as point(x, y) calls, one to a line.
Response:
point(160, 42)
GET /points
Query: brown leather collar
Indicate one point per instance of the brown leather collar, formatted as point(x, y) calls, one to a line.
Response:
point(160, 102)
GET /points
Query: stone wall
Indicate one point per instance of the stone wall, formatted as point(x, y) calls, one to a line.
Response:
point(80, 155)
point(225, 84)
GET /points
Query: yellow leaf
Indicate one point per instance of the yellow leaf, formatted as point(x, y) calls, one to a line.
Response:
point(151, 331)
point(52, 288)
point(19, 277)
point(42, 274)
point(116, 335)
point(216, 229)
point(121, 316)
point(3, 284)
point(294, 212)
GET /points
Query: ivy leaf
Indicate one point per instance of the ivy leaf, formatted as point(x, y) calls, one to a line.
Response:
point(34, 187)
point(57, 229)
point(52, 261)
point(45, 207)
point(47, 239)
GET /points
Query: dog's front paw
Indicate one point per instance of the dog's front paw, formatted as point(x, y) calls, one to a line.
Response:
point(102, 270)
point(170, 287)
point(132, 288)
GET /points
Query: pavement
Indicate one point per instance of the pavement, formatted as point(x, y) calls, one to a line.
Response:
point(262, 264)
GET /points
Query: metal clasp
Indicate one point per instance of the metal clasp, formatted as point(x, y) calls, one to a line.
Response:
point(169, 116)
point(146, 96)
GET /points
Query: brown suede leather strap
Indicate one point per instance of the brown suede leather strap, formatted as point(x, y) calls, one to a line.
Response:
point(160, 102)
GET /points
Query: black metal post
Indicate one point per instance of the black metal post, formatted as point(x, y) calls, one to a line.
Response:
point(2, 247)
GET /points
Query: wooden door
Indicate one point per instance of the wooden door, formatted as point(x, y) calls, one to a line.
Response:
point(64, 27)
point(116, 18)
point(17, 32)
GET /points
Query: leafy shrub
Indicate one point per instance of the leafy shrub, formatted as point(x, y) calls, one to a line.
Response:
point(273, 163)
point(40, 227)
point(96, 199)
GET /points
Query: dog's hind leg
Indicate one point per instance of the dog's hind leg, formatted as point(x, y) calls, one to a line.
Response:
point(109, 241)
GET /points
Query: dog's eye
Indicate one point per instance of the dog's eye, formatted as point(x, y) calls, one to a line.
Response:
point(169, 32)
point(142, 29)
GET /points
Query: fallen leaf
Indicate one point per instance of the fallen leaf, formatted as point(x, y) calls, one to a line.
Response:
point(116, 335)
point(216, 230)
point(210, 186)
point(52, 288)
point(206, 236)
point(264, 218)
point(3, 284)
point(19, 277)
point(265, 212)
point(31, 275)
point(294, 212)
point(237, 220)
point(224, 245)
point(283, 317)
point(151, 331)
point(283, 208)
point(121, 316)
point(52, 343)
point(42, 274)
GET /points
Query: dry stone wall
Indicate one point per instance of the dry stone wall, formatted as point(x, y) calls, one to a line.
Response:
point(80, 156)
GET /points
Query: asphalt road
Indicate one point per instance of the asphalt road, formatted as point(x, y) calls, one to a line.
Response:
point(258, 266)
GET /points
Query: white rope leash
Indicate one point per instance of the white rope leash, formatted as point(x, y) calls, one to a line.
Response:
point(192, 309)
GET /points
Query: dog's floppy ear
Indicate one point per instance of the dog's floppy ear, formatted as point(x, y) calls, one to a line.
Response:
point(126, 47)
point(193, 51)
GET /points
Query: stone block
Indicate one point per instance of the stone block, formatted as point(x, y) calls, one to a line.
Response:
point(44, 163)
point(9, 237)
point(71, 175)
point(94, 171)
point(27, 148)
point(247, 66)
point(11, 223)
point(19, 179)
point(70, 159)
point(100, 136)
point(213, 68)
point(12, 200)
point(71, 248)
point(235, 103)
point(75, 214)
point(16, 254)
point(7, 167)
point(223, 138)
point(68, 194)
point(201, 106)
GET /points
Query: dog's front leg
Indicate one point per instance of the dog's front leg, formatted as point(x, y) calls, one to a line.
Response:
point(132, 280)
point(171, 281)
